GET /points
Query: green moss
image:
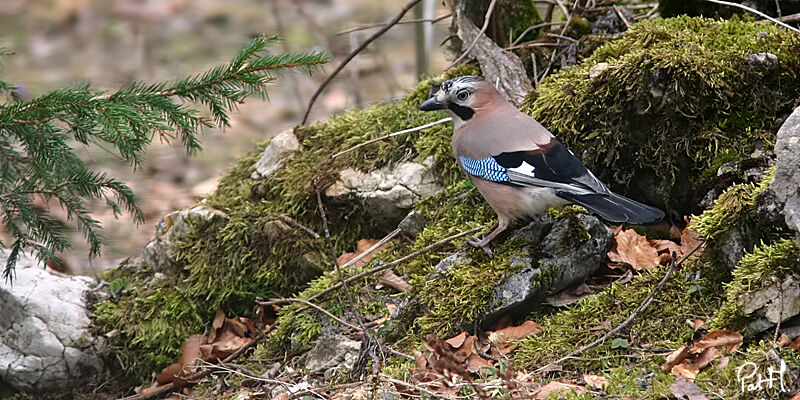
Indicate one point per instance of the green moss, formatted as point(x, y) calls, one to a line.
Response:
point(660, 326)
point(229, 261)
point(736, 205)
point(678, 93)
point(761, 268)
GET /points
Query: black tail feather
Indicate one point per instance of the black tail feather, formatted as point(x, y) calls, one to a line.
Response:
point(615, 208)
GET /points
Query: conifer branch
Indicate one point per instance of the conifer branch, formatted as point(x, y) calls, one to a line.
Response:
point(38, 166)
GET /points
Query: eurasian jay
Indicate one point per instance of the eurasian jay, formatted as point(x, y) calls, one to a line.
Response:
point(518, 166)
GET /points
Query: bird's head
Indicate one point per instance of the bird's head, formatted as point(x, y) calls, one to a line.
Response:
point(462, 97)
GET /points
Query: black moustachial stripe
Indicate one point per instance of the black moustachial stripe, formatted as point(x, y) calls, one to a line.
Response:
point(464, 113)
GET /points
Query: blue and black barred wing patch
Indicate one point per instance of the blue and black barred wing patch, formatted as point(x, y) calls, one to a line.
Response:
point(487, 168)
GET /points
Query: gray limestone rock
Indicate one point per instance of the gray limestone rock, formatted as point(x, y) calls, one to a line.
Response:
point(787, 174)
point(160, 252)
point(332, 352)
point(567, 251)
point(45, 344)
point(772, 304)
point(387, 193)
point(279, 149)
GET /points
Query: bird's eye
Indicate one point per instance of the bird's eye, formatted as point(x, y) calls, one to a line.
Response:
point(462, 95)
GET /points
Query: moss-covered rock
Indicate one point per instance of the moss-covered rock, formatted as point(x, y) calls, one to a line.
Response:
point(226, 263)
point(678, 94)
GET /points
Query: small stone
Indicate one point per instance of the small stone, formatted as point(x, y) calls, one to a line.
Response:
point(764, 62)
point(280, 148)
point(387, 193)
point(160, 252)
point(413, 223)
point(334, 351)
point(598, 69)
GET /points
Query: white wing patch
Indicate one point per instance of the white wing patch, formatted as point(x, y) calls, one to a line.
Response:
point(525, 169)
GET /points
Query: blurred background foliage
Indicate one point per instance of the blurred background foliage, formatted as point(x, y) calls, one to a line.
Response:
point(110, 43)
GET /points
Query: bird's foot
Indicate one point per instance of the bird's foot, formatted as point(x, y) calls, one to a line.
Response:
point(481, 244)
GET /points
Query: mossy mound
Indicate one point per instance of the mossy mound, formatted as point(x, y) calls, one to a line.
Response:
point(249, 253)
point(676, 95)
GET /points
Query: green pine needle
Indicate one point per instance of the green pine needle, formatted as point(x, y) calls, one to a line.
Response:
point(38, 166)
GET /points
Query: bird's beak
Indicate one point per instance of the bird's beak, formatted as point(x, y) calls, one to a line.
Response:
point(432, 104)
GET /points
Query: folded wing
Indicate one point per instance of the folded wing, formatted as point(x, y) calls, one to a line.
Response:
point(556, 167)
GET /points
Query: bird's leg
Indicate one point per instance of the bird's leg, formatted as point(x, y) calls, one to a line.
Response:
point(503, 224)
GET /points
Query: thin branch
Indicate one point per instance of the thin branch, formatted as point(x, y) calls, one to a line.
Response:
point(352, 55)
point(790, 18)
point(639, 310)
point(293, 222)
point(478, 36)
point(310, 304)
point(404, 131)
point(373, 248)
point(397, 262)
point(754, 11)
point(168, 388)
point(407, 21)
point(621, 17)
point(532, 27)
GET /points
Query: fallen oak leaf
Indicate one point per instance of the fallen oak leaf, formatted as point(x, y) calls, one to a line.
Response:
point(458, 340)
point(555, 387)
point(633, 249)
point(390, 279)
point(595, 382)
point(729, 339)
point(676, 357)
point(186, 363)
point(688, 371)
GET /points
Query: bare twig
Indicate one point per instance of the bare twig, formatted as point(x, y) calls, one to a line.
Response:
point(621, 17)
point(367, 341)
point(310, 304)
point(202, 374)
point(291, 221)
point(639, 310)
point(407, 21)
point(398, 133)
point(352, 55)
point(778, 7)
point(790, 18)
point(754, 11)
point(478, 36)
point(373, 248)
point(396, 262)
point(532, 27)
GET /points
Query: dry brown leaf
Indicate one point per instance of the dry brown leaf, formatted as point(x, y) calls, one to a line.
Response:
point(666, 246)
point(226, 344)
point(476, 362)
point(684, 389)
point(698, 323)
point(688, 371)
point(219, 320)
point(795, 345)
point(596, 382)
point(571, 296)
point(675, 358)
point(784, 340)
point(555, 387)
point(187, 361)
point(419, 359)
point(708, 355)
point(633, 249)
point(390, 279)
point(729, 339)
point(689, 241)
point(458, 340)
point(362, 246)
point(674, 232)
point(520, 332)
